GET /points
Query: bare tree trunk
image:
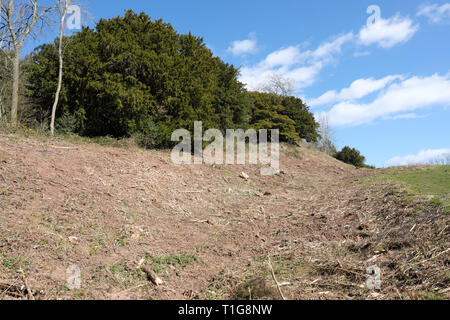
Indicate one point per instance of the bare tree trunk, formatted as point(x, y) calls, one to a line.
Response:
point(327, 135)
point(15, 86)
point(17, 21)
point(2, 89)
point(61, 62)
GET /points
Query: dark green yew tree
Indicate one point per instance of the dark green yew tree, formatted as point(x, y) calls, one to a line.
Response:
point(130, 70)
point(288, 114)
point(131, 75)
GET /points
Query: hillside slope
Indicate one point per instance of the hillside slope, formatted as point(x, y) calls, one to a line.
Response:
point(207, 232)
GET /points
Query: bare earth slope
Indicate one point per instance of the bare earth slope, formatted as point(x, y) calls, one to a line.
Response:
point(205, 231)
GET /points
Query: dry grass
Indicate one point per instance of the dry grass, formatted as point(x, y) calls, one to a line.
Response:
point(205, 231)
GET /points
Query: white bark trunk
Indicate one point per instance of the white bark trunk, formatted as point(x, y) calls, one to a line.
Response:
point(15, 86)
point(19, 20)
point(61, 63)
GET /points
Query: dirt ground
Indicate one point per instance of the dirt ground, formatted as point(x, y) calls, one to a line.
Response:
point(207, 232)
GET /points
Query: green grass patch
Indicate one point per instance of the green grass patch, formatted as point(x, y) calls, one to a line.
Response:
point(160, 263)
point(432, 181)
point(291, 151)
point(434, 296)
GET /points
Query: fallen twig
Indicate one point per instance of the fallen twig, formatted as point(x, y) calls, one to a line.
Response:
point(275, 279)
point(130, 289)
point(25, 281)
point(444, 290)
point(56, 147)
point(11, 290)
point(152, 276)
point(436, 256)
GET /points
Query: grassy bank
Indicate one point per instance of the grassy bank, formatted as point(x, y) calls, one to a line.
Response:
point(432, 181)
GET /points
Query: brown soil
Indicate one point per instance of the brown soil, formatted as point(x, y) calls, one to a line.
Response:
point(206, 232)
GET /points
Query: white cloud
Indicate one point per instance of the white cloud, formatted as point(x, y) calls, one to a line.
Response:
point(400, 97)
point(358, 89)
point(302, 67)
point(388, 32)
point(283, 57)
point(410, 115)
point(435, 13)
point(424, 156)
point(242, 47)
point(327, 49)
point(358, 54)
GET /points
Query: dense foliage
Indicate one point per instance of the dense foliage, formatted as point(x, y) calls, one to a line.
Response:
point(289, 114)
point(351, 156)
point(131, 75)
point(5, 86)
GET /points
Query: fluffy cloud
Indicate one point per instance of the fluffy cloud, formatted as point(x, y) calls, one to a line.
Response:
point(358, 89)
point(410, 115)
point(400, 97)
point(435, 13)
point(388, 32)
point(358, 54)
point(327, 49)
point(424, 156)
point(242, 47)
point(302, 67)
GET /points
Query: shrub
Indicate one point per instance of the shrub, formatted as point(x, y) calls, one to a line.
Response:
point(351, 156)
point(66, 123)
point(130, 69)
point(150, 138)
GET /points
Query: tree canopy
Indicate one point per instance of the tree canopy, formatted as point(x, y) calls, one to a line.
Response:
point(288, 114)
point(351, 156)
point(131, 74)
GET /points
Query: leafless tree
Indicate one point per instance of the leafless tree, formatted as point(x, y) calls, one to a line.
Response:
point(2, 90)
point(279, 84)
point(19, 19)
point(5, 77)
point(443, 160)
point(2, 102)
point(63, 7)
point(327, 140)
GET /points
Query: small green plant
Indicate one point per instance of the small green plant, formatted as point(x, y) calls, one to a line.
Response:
point(65, 288)
point(431, 296)
point(436, 202)
point(120, 241)
point(66, 124)
point(150, 138)
point(159, 263)
point(9, 262)
point(253, 289)
point(117, 268)
point(124, 275)
point(202, 248)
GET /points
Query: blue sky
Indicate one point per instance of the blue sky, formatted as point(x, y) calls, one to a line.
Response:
point(384, 86)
